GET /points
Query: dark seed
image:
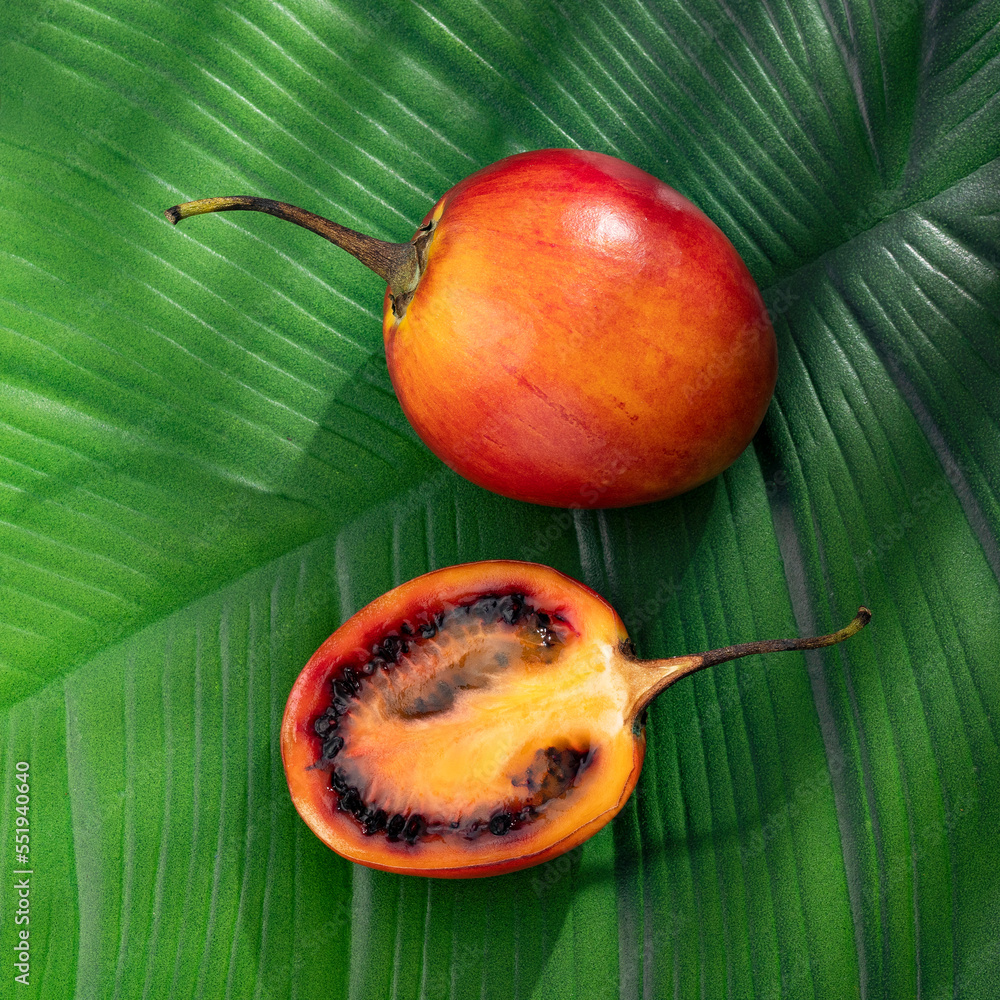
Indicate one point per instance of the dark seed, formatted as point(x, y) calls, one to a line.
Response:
point(369, 668)
point(510, 608)
point(414, 827)
point(332, 747)
point(428, 631)
point(324, 725)
point(395, 826)
point(351, 680)
point(351, 802)
point(500, 824)
point(337, 782)
point(391, 647)
point(375, 822)
point(342, 691)
point(406, 629)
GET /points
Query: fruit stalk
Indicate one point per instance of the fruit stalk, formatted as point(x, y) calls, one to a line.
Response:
point(653, 676)
point(396, 264)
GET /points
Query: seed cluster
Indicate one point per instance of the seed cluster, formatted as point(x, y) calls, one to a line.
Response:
point(556, 768)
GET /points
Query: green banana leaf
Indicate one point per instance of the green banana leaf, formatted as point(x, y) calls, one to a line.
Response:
point(204, 471)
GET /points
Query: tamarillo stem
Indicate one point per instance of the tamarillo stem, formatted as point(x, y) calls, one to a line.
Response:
point(653, 676)
point(395, 263)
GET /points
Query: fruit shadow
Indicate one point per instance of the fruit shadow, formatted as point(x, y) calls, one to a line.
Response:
point(500, 936)
point(639, 559)
point(508, 934)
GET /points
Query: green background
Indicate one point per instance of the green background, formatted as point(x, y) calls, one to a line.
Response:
point(204, 470)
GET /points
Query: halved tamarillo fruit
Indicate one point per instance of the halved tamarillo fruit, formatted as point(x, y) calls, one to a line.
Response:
point(477, 720)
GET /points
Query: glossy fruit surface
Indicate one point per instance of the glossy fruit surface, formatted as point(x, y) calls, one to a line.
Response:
point(566, 329)
point(581, 335)
point(476, 720)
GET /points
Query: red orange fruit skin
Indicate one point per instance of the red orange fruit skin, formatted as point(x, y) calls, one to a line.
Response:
point(582, 335)
point(615, 771)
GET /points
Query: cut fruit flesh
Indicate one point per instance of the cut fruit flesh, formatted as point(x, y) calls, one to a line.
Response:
point(468, 715)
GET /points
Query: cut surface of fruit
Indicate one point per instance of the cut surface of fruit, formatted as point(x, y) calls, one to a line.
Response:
point(473, 725)
point(476, 720)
